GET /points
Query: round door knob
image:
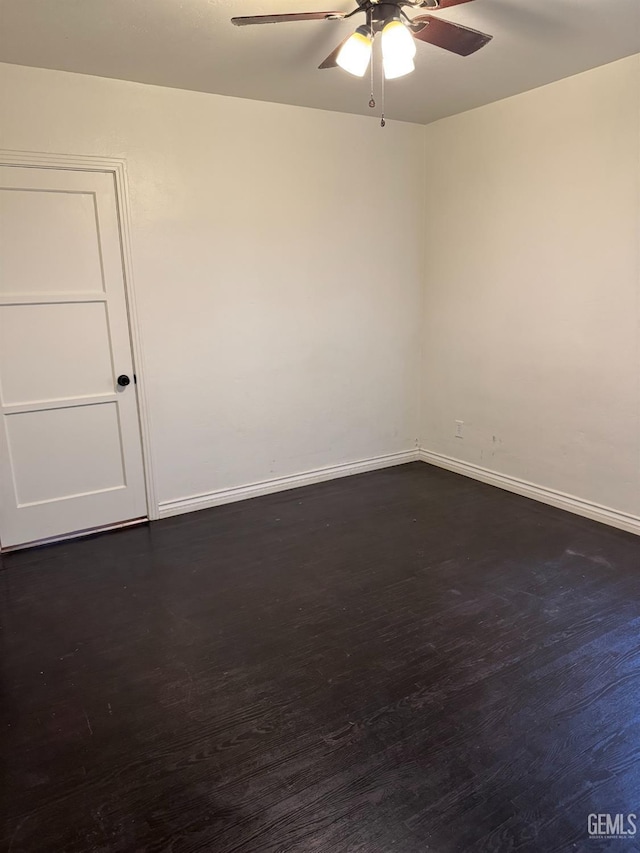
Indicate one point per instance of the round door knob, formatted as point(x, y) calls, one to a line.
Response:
point(123, 380)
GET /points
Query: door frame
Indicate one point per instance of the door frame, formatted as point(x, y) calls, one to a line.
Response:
point(118, 168)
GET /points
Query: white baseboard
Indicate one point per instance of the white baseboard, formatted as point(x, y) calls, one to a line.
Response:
point(280, 484)
point(579, 506)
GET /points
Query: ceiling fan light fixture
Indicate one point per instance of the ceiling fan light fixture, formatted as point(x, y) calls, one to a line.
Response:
point(355, 54)
point(398, 50)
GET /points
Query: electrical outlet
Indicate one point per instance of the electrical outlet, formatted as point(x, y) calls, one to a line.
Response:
point(459, 427)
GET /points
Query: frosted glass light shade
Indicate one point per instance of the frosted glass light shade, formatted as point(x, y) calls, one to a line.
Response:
point(355, 53)
point(398, 50)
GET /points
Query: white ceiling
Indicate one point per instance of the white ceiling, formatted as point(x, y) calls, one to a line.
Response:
point(190, 44)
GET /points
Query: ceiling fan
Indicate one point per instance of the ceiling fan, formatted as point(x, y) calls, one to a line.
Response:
point(398, 34)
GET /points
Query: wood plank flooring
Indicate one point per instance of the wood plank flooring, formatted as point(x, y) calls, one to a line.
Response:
point(405, 660)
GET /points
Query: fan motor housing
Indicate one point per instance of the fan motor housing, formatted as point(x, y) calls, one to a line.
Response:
point(379, 15)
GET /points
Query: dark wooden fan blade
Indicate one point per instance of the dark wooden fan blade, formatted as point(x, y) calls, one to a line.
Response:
point(435, 6)
point(452, 37)
point(444, 4)
point(280, 19)
point(330, 61)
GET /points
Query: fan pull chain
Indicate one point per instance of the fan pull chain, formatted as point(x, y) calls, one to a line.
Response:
point(372, 101)
point(382, 121)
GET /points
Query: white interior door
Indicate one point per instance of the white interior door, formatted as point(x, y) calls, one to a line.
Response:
point(70, 451)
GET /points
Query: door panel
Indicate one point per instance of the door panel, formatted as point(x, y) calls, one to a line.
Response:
point(70, 452)
point(65, 226)
point(49, 463)
point(55, 372)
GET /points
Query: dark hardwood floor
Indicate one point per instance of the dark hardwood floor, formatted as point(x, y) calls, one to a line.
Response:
point(400, 661)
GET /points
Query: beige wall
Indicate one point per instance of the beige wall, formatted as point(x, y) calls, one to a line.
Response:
point(278, 256)
point(277, 269)
point(532, 324)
